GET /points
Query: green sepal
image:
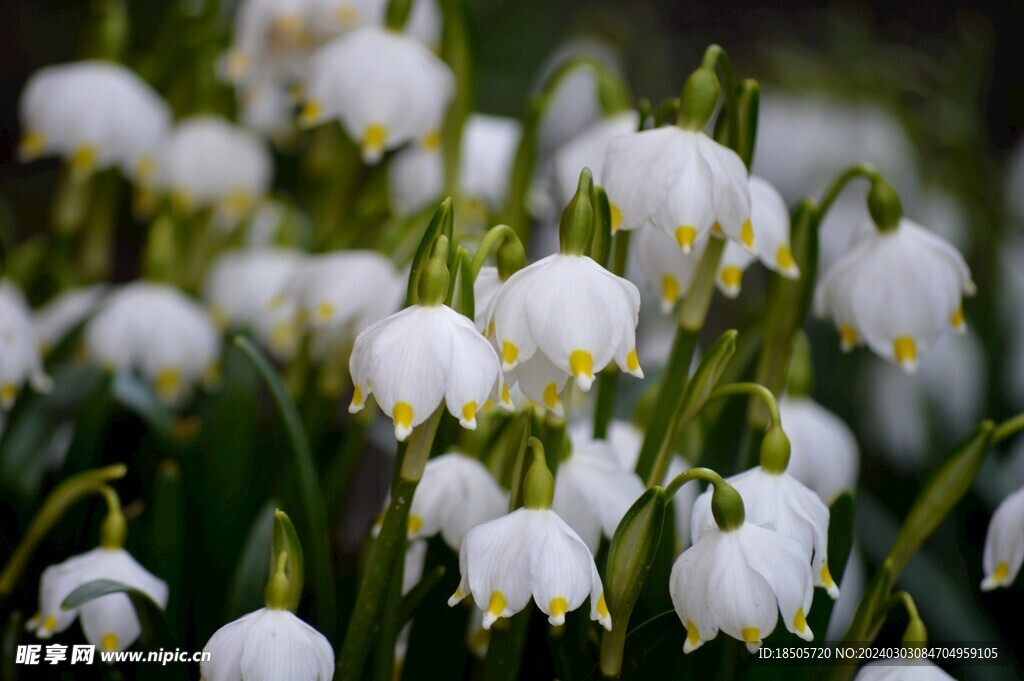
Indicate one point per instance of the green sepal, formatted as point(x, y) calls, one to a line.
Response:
point(442, 222)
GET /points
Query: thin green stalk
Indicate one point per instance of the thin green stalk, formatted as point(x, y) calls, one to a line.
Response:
point(865, 170)
point(604, 403)
point(1008, 428)
point(554, 441)
point(458, 54)
point(754, 389)
point(494, 237)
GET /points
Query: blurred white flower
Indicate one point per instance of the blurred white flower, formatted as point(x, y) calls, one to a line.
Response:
point(415, 177)
point(902, 670)
point(419, 357)
point(161, 333)
point(455, 494)
point(737, 581)
point(242, 288)
point(853, 584)
point(206, 161)
point(386, 88)
point(55, 319)
point(270, 38)
point(20, 359)
point(587, 150)
point(109, 622)
point(779, 501)
point(529, 552)
point(267, 645)
point(663, 266)
point(897, 291)
point(489, 146)
point(577, 314)
point(265, 106)
point(1004, 543)
point(682, 182)
point(823, 451)
point(95, 115)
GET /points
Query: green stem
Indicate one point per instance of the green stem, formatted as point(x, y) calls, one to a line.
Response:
point(705, 474)
point(865, 170)
point(1008, 428)
point(604, 403)
point(457, 53)
point(755, 389)
point(714, 56)
point(495, 237)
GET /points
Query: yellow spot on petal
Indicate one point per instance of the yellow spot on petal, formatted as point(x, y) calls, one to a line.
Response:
point(747, 234)
point(957, 320)
point(602, 607)
point(403, 415)
point(686, 235)
point(582, 363)
point(632, 361)
point(7, 394)
point(469, 411)
point(83, 159)
point(558, 607)
point(826, 577)
point(550, 395)
point(324, 311)
point(731, 277)
point(692, 635)
point(31, 145)
point(750, 634)
point(275, 302)
point(847, 336)
point(415, 524)
point(311, 112)
point(799, 620)
point(238, 64)
point(283, 337)
point(357, 397)
point(784, 258)
point(167, 384)
point(505, 396)
point(509, 352)
point(49, 624)
point(669, 289)
point(432, 140)
point(109, 642)
point(616, 215)
point(346, 14)
point(717, 230)
point(1002, 570)
point(497, 605)
point(905, 350)
point(288, 25)
point(375, 136)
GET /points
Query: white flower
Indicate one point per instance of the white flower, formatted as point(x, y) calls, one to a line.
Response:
point(592, 490)
point(265, 106)
point(529, 552)
point(55, 319)
point(95, 115)
point(664, 267)
point(489, 146)
point(737, 581)
point(20, 360)
point(416, 177)
point(485, 289)
point(571, 310)
point(540, 383)
point(902, 670)
point(241, 289)
point(338, 295)
point(270, 36)
point(109, 622)
point(770, 219)
point(159, 332)
point(419, 357)
point(779, 501)
point(387, 89)
point(455, 494)
point(823, 452)
point(587, 150)
point(1004, 543)
point(897, 291)
point(682, 182)
point(267, 645)
point(208, 162)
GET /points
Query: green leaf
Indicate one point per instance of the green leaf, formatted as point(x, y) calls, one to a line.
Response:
point(467, 303)
point(286, 539)
point(155, 631)
point(706, 377)
point(246, 591)
point(167, 541)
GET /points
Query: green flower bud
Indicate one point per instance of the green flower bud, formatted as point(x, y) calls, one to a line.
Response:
point(700, 96)
point(577, 223)
point(539, 484)
point(434, 279)
point(632, 551)
point(398, 14)
point(727, 506)
point(884, 205)
point(775, 450)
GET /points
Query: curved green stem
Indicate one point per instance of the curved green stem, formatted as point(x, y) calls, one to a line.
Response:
point(705, 474)
point(1008, 428)
point(864, 170)
point(715, 55)
point(114, 528)
point(755, 389)
point(494, 238)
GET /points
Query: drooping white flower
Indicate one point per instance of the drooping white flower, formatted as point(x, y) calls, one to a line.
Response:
point(385, 87)
point(241, 289)
point(109, 622)
point(592, 490)
point(540, 384)
point(823, 451)
point(737, 581)
point(55, 319)
point(159, 332)
point(529, 553)
point(338, 295)
point(577, 314)
point(902, 670)
point(267, 645)
point(489, 146)
point(779, 501)
point(1004, 543)
point(20, 359)
point(419, 357)
point(587, 150)
point(897, 291)
point(208, 162)
point(770, 218)
point(682, 182)
point(663, 266)
point(455, 494)
point(95, 115)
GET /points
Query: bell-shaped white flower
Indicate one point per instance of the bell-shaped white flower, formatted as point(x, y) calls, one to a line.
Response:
point(587, 150)
point(898, 291)
point(419, 357)
point(242, 288)
point(489, 146)
point(55, 319)
point(338, 295)
point(109, 622)
point(902, 670)
point(95, 115)
point(682, 182)
point(737, 581)
point(577, 314)
point(663, 267)
point(1004, 543)
point(779, 501)
point(416, 177)
point(770, 218)
point(592, 490)
point(159, 332)
point(208, 162)
point(529, 553)
point(455, 494)
point(823, 451)
point(385, 87)
point(20, 359)
point(267, 645)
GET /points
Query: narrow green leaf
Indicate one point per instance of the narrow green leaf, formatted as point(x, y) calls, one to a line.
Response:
point(246, 591)
point(467, 302)
point(167, 542)
point(706, 377)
